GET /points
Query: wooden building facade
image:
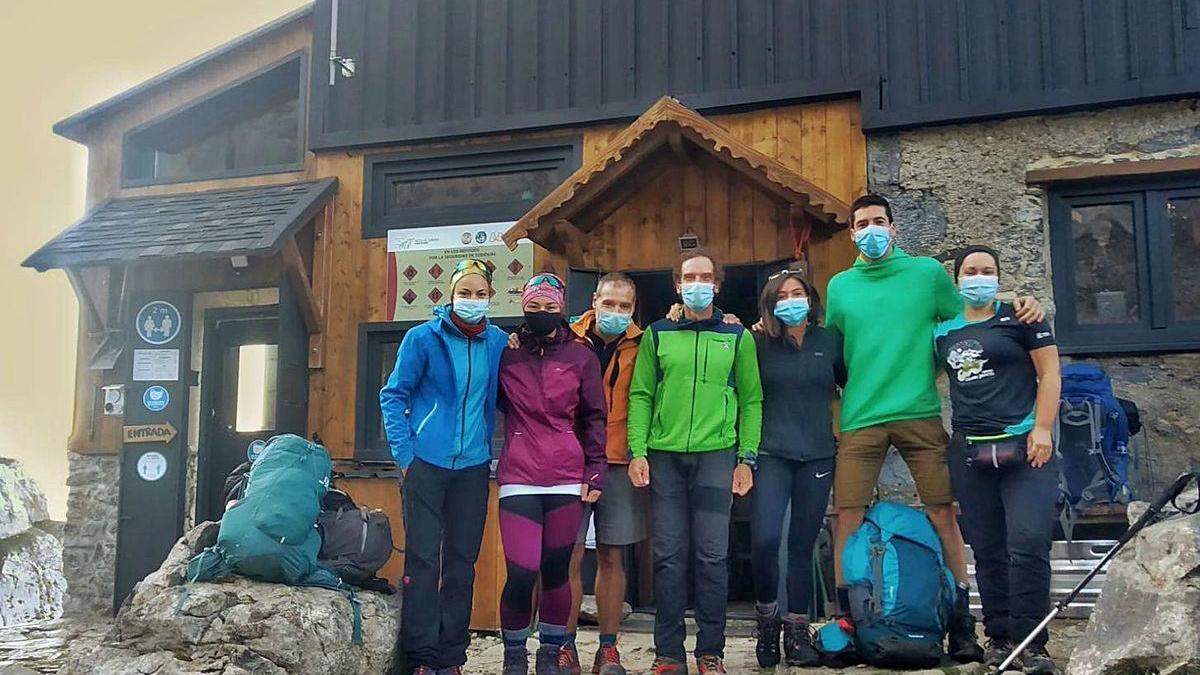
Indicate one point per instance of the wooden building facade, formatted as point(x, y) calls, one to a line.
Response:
point(253, 190)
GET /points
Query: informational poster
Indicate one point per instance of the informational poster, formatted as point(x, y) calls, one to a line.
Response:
point(421, 260)
point(150, 365)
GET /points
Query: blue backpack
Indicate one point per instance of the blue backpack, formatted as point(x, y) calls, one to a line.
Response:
point(1092, 439)
point(901, 592)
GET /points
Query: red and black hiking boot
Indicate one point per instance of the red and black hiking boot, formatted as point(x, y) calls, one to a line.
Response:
point(424, 670)
point(709, 664)
point(568, 659)
point(665, 666)
point(766, 645)
point(608, 661)
point(798, 644)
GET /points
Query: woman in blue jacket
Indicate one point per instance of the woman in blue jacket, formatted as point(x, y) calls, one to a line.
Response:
point(439, 409)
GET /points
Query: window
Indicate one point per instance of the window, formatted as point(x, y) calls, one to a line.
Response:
point(251, 127)
point(1122, 275)
point(467, 185)
point(377, 347)
point(256, 379)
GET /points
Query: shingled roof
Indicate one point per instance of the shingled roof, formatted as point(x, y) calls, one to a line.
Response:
point(655, 129)
point(240, 221)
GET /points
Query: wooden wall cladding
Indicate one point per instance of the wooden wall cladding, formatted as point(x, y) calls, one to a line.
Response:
point(822, 141)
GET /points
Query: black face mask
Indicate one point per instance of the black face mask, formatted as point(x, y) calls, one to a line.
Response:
point(541, 323)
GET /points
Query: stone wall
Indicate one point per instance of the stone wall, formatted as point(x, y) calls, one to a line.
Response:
point(90, 535)
point(964, 184)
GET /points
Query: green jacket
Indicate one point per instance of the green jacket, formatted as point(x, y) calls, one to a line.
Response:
point(886, 311)
point(693, 381)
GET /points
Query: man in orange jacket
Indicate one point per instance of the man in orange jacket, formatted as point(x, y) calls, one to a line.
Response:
point(620, 514)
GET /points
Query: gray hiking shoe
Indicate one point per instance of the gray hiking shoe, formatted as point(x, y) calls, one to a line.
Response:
point(547, 662)
point(516, 661)
point(1037, 661)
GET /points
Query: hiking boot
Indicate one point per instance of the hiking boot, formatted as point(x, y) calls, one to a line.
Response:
point(548, 659)
point(664, 666)
point(608, 661)
point(1036, 660)
point(452, 670)
point(568, 659)
point(964, 646)
point(424, 670)
point(710, 664)
point(516, 661)
point(798, 648)
point(997, 650)
point(767, 646)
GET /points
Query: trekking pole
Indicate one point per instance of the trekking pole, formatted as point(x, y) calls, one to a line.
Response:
point(1169, 495)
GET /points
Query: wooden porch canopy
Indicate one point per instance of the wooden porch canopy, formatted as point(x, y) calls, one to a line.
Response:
point(668, 133)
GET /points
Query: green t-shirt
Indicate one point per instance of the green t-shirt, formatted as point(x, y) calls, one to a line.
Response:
point(886, 311)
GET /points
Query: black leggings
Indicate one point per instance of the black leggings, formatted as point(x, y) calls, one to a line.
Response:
point(806, 485)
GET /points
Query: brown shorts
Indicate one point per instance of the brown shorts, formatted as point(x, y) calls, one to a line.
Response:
point(922, 445)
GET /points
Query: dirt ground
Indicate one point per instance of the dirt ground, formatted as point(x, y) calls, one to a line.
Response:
point(487, 653)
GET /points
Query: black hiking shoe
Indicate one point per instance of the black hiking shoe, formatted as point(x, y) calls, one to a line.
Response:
point(547, 662)
point(1037, 661)
point(767, 646)
point(997, 650)
point(516, 660)
point(964, 646)
point(798, 647)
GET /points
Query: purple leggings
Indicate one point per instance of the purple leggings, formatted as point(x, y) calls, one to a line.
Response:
point(539, 533)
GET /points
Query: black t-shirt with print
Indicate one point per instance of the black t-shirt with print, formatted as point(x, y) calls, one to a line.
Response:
point(993, 382)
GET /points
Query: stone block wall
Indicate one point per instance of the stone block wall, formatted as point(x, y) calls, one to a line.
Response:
point(90, 534)
point(965, 184)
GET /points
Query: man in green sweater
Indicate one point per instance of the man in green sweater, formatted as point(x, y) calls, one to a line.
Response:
point(886, 306)
point(695, 416)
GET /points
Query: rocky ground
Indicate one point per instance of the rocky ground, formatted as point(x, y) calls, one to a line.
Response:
point(487, 653)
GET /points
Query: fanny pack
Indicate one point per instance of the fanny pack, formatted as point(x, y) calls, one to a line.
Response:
point(991, 454)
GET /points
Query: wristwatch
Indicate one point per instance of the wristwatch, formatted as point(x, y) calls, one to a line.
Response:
point(751, 461)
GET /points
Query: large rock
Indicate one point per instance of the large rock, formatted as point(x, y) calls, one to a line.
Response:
point(239, 626)
point(1147, 619)
point(22, 502)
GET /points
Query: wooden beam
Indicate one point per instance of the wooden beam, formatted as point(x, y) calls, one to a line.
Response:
point(635, 181)
point(294, 264)
point(96, 323)
point(1112, 170)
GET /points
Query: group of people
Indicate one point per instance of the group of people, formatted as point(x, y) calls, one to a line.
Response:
point(669, 423)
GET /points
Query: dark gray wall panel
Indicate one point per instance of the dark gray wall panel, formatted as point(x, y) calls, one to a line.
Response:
point(441, 68)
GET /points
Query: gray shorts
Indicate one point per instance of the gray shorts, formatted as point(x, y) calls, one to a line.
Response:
point(621, 513)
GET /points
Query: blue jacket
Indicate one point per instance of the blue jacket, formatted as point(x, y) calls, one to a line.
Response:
point(422, 402)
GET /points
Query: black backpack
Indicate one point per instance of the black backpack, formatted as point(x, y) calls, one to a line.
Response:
point(355, 542)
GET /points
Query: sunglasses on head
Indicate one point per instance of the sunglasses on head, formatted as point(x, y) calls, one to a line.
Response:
point(784, 273)
point(546, 279)
point(471, 265)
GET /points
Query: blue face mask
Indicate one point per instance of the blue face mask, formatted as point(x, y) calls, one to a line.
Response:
point(612, 323)
point(978, 290)
point(698, 295)
point(471, 311)
point(873, 240)
point(792, 311)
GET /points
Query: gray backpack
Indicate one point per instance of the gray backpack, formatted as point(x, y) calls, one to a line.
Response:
point(355, 542)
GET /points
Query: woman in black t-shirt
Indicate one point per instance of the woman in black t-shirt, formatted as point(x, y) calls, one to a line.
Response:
point(1004, 389)
point(800, 365)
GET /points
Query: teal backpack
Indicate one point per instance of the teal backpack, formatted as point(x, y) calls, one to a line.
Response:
point(901, 592)
point(271, 533)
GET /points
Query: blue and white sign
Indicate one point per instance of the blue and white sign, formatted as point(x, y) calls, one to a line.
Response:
point(156, 398)
point(255, 449)
point(158, 322)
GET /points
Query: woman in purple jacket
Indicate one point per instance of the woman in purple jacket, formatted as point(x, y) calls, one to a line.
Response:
point(553, 459)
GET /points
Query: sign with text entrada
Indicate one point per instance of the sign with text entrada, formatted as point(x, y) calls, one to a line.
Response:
point(150, 433)
point(421, 260)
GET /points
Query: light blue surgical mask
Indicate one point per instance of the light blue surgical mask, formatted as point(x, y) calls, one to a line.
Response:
point(612, 323)
point(873, 240)
point(979, 290)
point(698, 295)
point(792, 311)
point(470, 310)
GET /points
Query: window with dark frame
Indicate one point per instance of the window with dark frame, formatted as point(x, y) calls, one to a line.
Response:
point(378, 345)
point(1122, 254)
point(479, 184)
point(254, 126)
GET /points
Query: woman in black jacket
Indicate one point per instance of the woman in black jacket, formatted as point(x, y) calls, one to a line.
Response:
point(800, 365)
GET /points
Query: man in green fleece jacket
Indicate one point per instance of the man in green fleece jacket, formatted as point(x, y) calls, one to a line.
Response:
point(695, 416)
point(886, 306)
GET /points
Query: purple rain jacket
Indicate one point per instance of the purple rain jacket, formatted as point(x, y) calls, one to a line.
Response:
point(555, 416)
